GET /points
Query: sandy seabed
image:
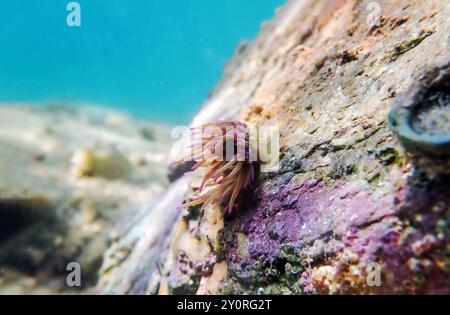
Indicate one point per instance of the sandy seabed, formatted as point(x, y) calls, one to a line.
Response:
point(68, 175)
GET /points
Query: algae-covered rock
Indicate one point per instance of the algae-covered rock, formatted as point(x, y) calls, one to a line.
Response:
point(352, 207)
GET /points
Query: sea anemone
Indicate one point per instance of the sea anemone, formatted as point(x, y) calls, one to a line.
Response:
point(226, 153)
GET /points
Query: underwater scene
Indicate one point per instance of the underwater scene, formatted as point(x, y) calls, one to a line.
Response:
point(226, 147)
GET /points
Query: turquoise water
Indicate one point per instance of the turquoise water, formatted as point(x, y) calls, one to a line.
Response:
point(156, 59)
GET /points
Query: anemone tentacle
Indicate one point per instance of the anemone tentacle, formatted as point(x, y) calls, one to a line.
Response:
point(225, 179)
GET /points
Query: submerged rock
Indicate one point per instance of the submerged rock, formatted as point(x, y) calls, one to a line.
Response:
point(132, 263)
point(348, 210)
point(109, 165)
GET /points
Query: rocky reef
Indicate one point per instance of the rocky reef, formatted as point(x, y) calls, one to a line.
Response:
point(68, 176)
point(361, 98)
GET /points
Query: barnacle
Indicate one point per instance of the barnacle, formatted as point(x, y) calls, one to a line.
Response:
point(227, 154)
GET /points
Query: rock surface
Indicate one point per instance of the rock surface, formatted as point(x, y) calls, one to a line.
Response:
point(67, 177)
point(350, 210)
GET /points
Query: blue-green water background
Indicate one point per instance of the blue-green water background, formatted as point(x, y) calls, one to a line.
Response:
point(156, 59)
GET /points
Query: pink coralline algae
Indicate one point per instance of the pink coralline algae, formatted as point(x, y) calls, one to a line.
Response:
point(297, 215)
point(312, 225)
